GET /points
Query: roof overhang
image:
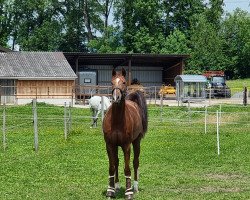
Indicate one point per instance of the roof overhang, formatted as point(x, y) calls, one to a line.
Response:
point(39, 78)
point(116, 60)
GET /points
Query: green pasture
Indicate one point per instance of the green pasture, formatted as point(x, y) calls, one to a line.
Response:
point(178, 159)
point(238, 85)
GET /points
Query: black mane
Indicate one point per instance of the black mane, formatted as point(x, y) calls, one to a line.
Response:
point(138, 97)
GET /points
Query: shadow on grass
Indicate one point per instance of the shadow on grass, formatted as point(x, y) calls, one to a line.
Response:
point(118, 195)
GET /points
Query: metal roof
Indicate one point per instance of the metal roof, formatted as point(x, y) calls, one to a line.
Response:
point(191, 78)
point(35, 65)
point(122, 59)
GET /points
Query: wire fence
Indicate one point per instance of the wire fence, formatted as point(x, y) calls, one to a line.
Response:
point(36, 117)
point(80, 94)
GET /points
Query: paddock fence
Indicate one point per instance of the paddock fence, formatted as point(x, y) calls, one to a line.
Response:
point(39, 119)
point(79, 95)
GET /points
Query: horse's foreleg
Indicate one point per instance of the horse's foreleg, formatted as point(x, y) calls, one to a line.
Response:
point(129, 190)
point(136, 148)
point(95, 117)
point(111, 150)
point(117, 184)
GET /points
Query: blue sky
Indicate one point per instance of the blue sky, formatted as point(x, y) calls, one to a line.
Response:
point(231, 5)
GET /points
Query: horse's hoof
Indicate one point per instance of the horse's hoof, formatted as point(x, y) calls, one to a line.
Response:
point(129, 197)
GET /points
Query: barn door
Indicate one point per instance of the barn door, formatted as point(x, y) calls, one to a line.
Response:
point(7, 91)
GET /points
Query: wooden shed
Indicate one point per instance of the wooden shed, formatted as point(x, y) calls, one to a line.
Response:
point(46, 76)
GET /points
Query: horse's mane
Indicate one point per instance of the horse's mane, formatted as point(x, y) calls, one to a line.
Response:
point(138, 97)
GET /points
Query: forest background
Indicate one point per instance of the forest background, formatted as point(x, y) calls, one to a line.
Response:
point(214, 39)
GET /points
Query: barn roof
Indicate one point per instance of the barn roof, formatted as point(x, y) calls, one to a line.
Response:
point(35, 65)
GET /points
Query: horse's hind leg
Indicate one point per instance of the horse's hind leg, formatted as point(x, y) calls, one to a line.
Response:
point(111, 150)
point(129, 190)
point(136, 148)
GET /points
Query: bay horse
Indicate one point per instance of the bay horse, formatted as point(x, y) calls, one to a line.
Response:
point(125, 123)
point(95, 104)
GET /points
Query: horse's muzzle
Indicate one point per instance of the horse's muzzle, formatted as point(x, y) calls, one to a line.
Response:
point(116, 95)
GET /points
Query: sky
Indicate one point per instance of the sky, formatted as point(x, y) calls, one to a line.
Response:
point(231, 5)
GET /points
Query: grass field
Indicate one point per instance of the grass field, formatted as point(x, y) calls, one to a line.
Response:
point(178, 160)
point(239, 83)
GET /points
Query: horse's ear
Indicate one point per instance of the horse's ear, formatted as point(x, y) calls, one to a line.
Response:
point(113, 72)
point(123, 72)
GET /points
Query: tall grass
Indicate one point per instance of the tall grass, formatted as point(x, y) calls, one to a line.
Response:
point(178, 160)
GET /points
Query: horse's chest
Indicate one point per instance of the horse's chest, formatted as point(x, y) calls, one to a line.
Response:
point(122, 128)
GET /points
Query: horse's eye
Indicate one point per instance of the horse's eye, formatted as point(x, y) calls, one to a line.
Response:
point(124, 83)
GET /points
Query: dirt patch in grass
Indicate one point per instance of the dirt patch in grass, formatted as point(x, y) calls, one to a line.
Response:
point(224, 176)
point(210, 189)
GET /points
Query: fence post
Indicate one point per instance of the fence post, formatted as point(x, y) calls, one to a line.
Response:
point(70, 118)
point(218, 136)
point(155, 94)
point(205, 119)
point(161, 98)
point(4, 127)
point(245, 96)
point(189, 111)
point(102, 107)
point(220, 115)
point(35, 125)
point(65, 121)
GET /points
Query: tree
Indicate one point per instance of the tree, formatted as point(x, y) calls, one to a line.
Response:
point(214, 11)
point(178, 14)
point(5, 21)
point(207, 46)
point(111, 42)
point(176, 43)
point(236, 31)
point(36, 25)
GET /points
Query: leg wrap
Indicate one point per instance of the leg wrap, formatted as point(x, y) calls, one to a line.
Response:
point(111, 189)
point(129, 191)
point(136, 188)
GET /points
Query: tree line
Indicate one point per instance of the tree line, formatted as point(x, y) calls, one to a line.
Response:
point(215, 40)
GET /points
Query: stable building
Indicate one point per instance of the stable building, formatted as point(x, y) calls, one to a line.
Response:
point(46, 76)
point(148, 69)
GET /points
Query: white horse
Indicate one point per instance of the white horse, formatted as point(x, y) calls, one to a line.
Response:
point(95, 104)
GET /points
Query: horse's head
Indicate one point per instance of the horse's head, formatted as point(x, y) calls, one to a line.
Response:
point(119, 85)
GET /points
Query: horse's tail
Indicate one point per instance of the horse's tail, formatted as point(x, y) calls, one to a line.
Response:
point(138, 97)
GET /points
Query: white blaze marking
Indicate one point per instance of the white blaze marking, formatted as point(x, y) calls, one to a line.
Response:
point(117, 80)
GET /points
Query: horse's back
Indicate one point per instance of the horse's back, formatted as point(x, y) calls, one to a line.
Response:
point(95, 102)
